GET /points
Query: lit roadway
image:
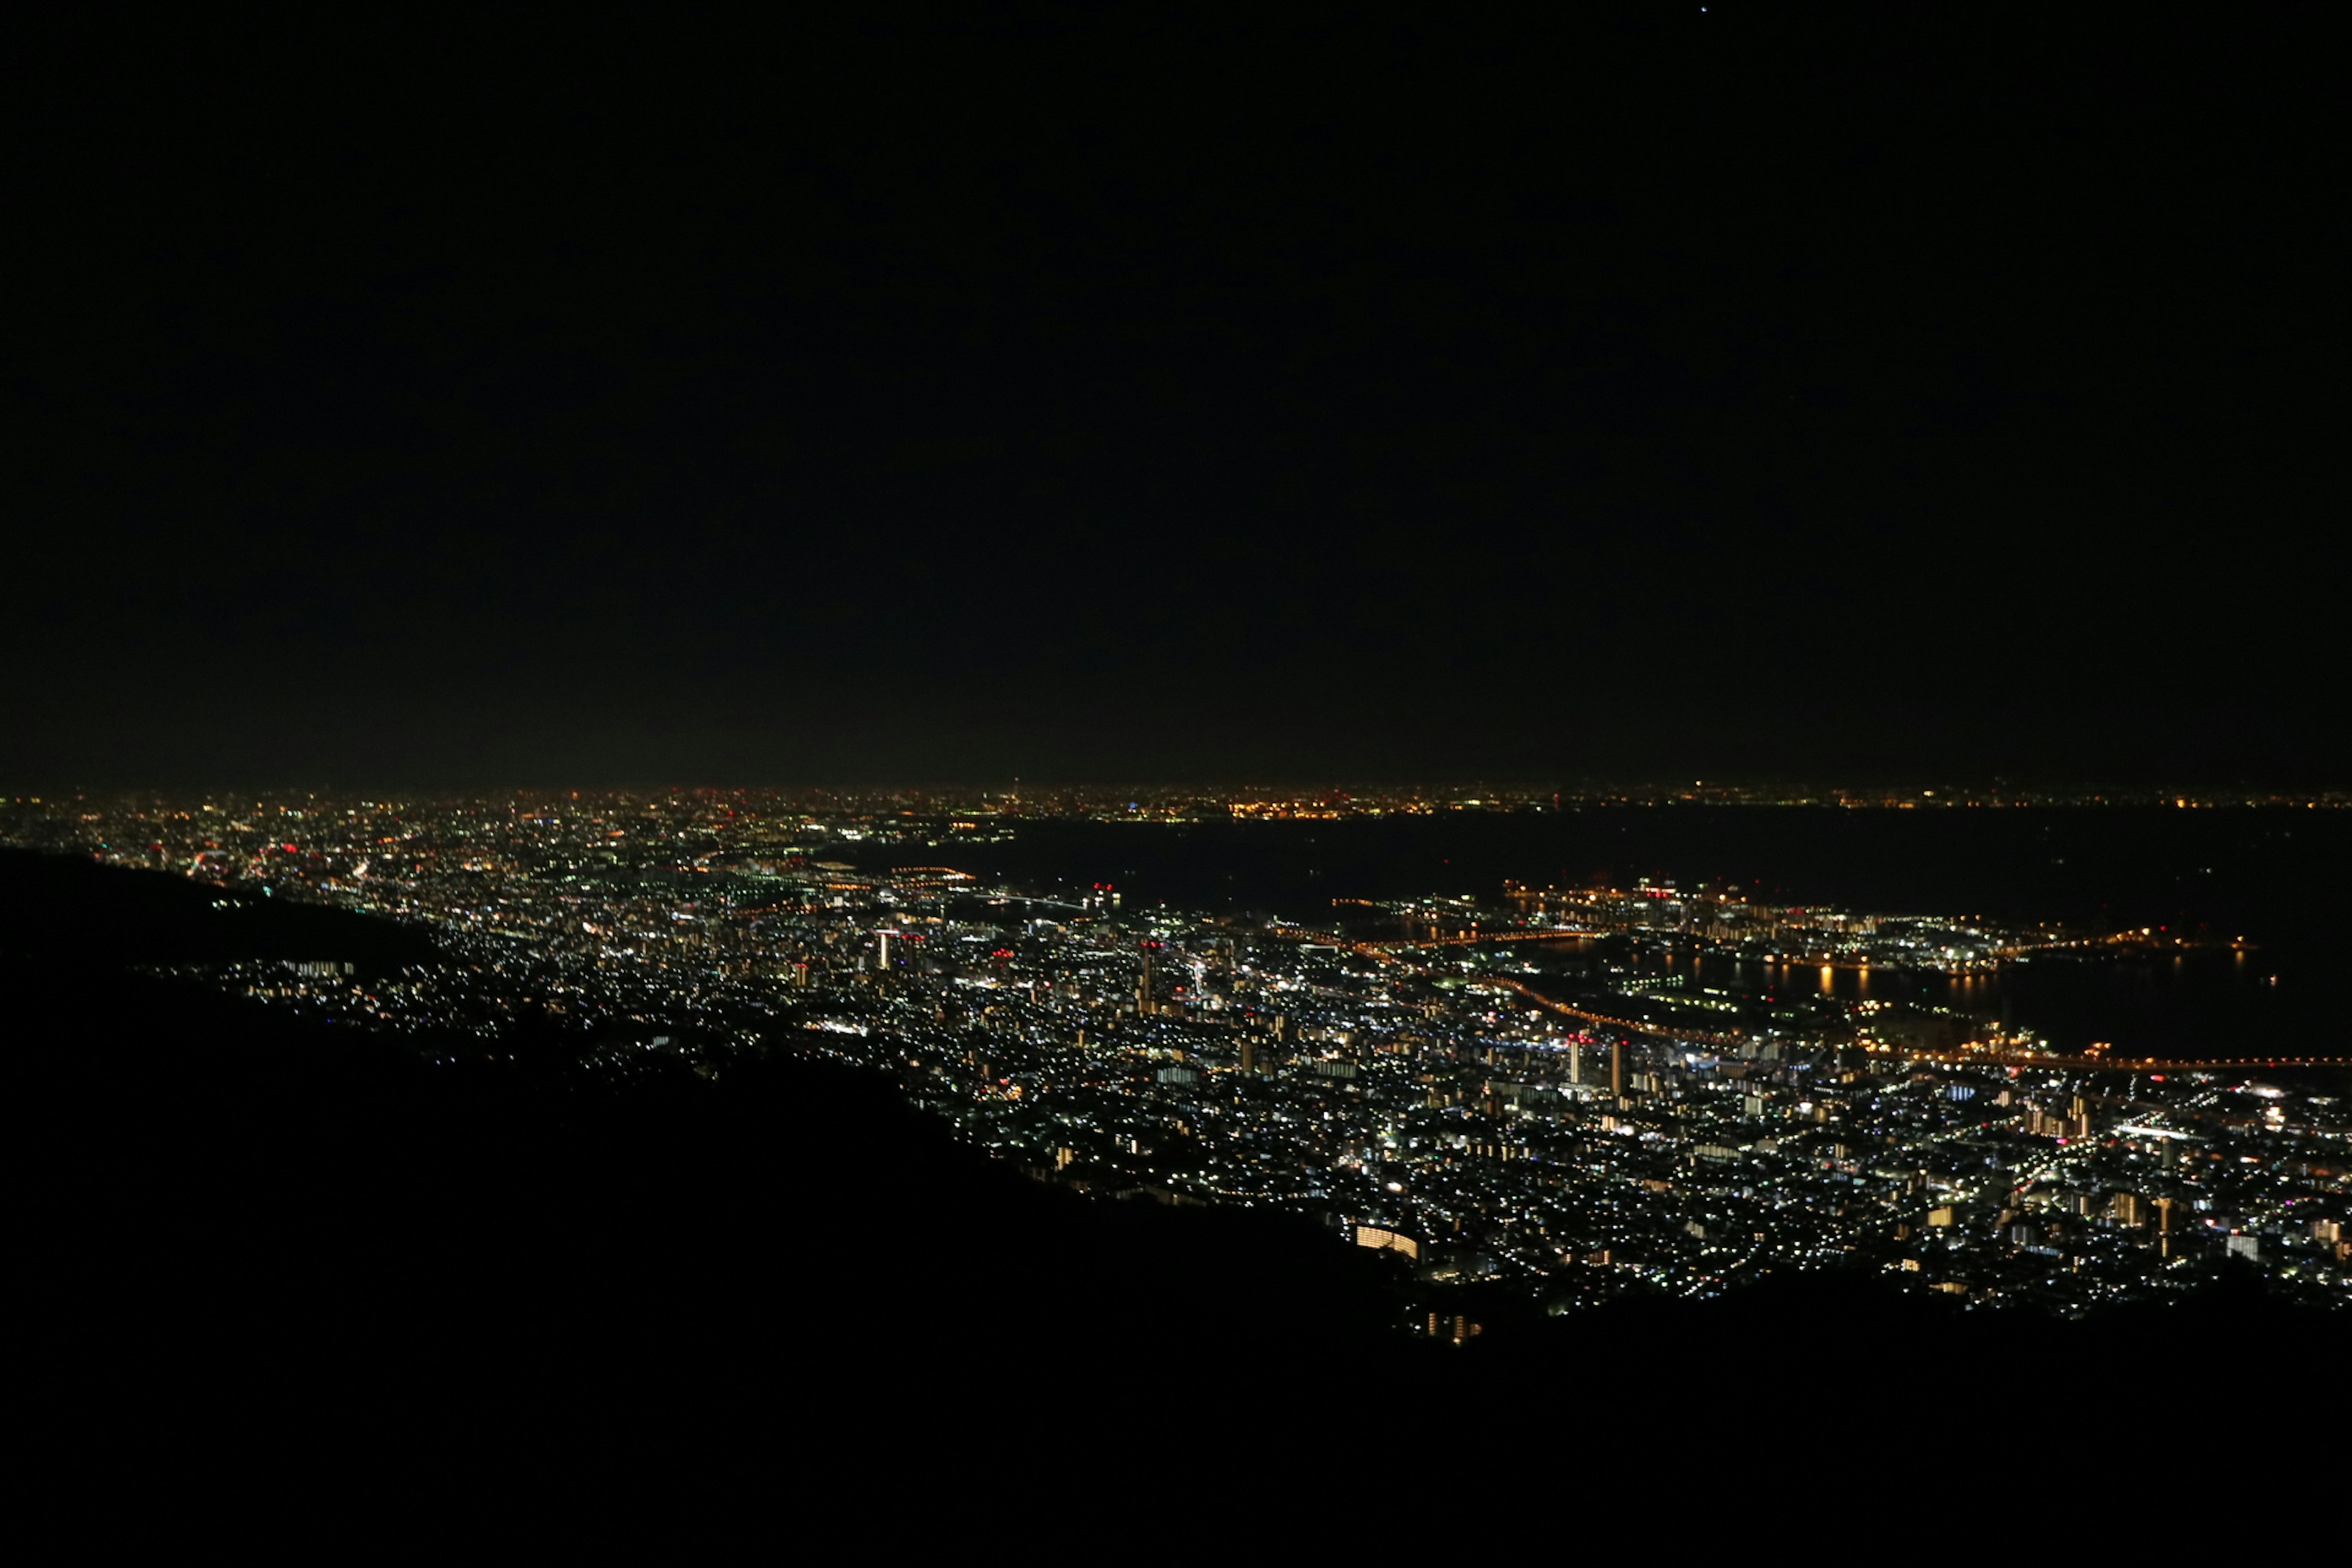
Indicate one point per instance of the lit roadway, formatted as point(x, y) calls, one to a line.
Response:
point(1384, 952)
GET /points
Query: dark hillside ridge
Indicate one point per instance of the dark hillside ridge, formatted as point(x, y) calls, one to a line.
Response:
point(64, 908)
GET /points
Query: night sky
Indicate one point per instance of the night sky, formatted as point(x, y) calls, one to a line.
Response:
point(1876, 394)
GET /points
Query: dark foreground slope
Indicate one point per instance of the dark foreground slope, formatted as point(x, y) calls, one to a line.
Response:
point(253, 1221)
point(222, 1193)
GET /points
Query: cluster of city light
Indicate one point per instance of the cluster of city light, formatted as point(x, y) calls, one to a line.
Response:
point(1402, 1074)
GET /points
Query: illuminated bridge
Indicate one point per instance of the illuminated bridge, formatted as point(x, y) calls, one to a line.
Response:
point(1474, 936)
point(2106, 1063)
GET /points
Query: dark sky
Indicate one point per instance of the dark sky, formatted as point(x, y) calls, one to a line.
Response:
point(1889, 393)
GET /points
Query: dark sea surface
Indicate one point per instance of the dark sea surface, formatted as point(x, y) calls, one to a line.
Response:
point(2281, 878)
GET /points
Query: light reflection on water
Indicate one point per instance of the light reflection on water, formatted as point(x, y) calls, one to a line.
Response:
point(2206, 1002)
point(2272, 875)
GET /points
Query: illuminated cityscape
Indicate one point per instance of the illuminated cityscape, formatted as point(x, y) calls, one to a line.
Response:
point(1539, 1089)
point(1599, 742)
